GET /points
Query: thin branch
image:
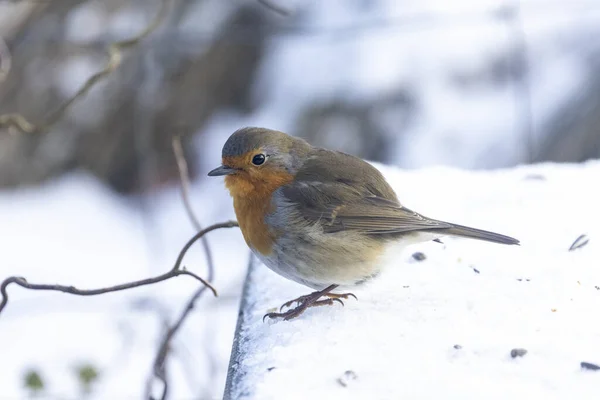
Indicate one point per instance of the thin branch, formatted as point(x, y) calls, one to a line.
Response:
point(185, 180)
point(185, 196)
point(175, 271)
point(93, 292)
point(165, 345)
point(114, 60)
point(159, 366)
point(197, 236)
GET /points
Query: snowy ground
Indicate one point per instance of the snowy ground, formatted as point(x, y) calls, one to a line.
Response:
point(445, 327)
point(73, 231)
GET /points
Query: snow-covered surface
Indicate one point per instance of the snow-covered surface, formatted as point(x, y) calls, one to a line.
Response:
point(73, 231)
point(399, 338)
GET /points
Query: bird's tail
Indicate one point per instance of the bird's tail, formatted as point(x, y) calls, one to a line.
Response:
point(472, 233)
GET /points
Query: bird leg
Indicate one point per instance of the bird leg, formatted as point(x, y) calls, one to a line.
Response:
point(310, 300)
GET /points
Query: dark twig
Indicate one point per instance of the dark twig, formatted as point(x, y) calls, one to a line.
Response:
point(185, 180)
point(159, 368)
point(94, 292)
point(115, 57)
point(197, 236)
point(185, 195)
point(175, 271)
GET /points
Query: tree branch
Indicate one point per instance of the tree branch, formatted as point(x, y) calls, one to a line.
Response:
point(159, 370)
point(185, 196)
point(175, 271)
point(159, 366)
point(115, 57)
point(93, 292)
point(185, 180)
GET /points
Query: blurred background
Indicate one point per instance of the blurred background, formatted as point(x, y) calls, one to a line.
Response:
point(93, 200)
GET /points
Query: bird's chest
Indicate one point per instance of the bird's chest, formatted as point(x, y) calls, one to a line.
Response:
point(250, 212)
point(252, 203)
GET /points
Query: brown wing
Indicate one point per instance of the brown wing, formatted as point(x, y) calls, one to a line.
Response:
point(344, 172)
point(343, 207)
point(345, 193)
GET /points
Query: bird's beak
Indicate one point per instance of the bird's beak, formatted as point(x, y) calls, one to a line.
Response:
point(222, 170)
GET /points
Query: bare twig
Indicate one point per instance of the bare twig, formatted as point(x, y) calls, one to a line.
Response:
point(115, 56)
point(92, 292)
point(159, 367)
point(175, 271)
point(279, 9)
point(197, 236)
point(163, 351)
point(185, 195)
point(185, 180)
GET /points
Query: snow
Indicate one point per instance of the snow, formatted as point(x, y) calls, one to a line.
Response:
point(73, 231)
point(399, 338)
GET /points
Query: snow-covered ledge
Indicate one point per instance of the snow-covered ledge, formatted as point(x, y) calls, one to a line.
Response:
point(445, 326)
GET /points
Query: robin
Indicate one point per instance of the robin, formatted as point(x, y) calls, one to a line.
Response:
point(320, 218)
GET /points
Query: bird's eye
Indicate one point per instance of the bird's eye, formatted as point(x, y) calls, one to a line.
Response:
point(258, 159)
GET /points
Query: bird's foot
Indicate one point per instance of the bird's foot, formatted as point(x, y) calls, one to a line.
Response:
point(307, 301)
point(300, 308)
point(309, 298)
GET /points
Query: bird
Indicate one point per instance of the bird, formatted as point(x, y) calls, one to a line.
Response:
point(318, 217)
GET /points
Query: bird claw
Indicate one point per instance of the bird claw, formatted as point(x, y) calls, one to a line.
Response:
point(304, 302)
point(293, 313)
point(325, 302)
point(299, 300)
point(310, 298)
point(344, 296)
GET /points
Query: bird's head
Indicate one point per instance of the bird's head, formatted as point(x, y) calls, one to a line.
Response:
point(255, 160)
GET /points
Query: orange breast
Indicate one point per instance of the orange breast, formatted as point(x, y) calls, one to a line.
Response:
point(251, 217)
point(252, 202)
